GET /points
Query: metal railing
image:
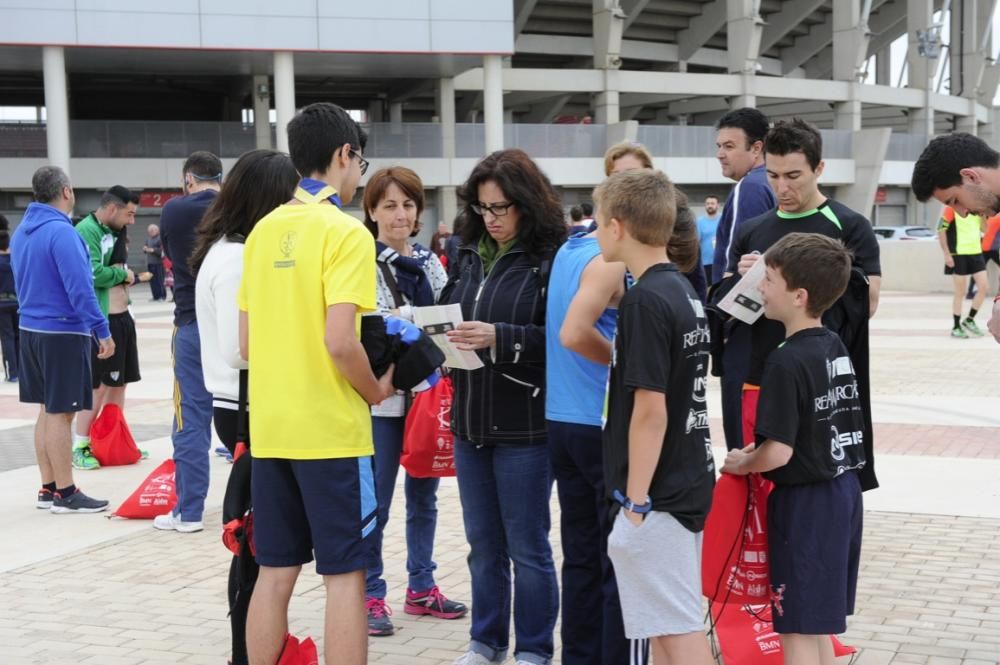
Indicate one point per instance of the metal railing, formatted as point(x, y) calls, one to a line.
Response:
point(138, 139)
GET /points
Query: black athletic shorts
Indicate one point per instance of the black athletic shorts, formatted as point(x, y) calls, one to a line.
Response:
point(123, 366)
point(966, 264)
point(55, 371)
point(814, 541)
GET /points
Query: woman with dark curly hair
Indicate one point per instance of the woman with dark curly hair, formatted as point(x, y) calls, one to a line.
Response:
point(514, 227)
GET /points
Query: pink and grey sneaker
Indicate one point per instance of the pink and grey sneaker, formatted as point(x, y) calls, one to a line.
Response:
point(433, 602)
point(379, 623)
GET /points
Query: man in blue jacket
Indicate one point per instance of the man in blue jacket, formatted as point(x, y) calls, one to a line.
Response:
point(59, 318)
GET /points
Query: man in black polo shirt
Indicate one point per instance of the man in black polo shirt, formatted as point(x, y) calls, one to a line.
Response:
point(192, 430)
point(794, 164)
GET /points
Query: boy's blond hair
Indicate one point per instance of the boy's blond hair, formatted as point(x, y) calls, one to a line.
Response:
point(643, 200)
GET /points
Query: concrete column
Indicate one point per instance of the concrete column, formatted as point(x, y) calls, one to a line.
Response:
point(446, 198)
point(493, 102)
point(743, 32)
point(850, 40)
point(284, 94)
point(607, 109)
point(375, 111)
point(261, 94)
point(396, 117)
point(56, 106)
point(748, 96)
point(847, 115)
point(920, 69)
point(869, 148)
point(883, 67)
point(965, 58)
point(608, 25)
point(967, 124)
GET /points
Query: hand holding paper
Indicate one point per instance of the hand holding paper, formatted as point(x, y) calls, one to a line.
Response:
point(744, 301)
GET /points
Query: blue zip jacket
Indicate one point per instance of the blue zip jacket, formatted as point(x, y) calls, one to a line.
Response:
point(55, 287)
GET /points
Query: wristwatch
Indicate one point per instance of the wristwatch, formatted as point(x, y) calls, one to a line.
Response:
point(629, 505)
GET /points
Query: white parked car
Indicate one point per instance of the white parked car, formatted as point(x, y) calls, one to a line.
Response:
point(904, 233)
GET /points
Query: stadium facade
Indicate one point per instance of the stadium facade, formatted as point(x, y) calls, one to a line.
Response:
point(130, 87)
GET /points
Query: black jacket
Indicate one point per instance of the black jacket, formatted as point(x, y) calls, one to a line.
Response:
point(504, 401)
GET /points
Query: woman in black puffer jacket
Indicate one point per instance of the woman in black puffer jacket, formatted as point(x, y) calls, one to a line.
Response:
point(515, 225)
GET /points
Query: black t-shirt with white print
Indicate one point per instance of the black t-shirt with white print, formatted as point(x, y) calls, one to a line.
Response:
point(661, 344)
point(832, 219)
point(809, 401)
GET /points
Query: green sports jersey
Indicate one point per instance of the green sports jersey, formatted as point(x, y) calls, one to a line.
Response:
point(100, 242)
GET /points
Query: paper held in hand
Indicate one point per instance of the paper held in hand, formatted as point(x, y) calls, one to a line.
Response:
point(438, 320)
point(744, 301)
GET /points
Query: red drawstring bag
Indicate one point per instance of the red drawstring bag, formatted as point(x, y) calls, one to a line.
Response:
point(298, 653)
point(746, 635)
point(428, 446)
point(111, 440)
point(734, 566)
point(156, 495)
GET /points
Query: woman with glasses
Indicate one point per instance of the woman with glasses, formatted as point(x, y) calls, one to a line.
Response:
point(514, 225)
point(409, 275)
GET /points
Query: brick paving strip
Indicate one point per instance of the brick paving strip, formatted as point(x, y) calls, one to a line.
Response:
point(929, 592)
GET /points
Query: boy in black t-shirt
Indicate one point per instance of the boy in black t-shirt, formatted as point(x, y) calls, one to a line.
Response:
point(810, 433)
point(658, 466)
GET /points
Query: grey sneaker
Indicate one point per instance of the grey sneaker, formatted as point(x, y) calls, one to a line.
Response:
point(77, 502)
point(472, 658)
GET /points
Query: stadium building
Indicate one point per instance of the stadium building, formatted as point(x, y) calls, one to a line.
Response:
point(120, 91)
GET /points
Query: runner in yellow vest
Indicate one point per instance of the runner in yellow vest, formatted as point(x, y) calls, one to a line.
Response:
point(960, 237)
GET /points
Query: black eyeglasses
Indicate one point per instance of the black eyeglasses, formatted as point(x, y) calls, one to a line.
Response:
point(497, 209)
point(362, 162)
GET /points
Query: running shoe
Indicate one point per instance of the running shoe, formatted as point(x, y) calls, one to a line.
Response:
point(84, 459)
point(379, 623)
point(77, 502)
point(472, 658)
point(434, 603)
point(971, 326)
point(45, 499)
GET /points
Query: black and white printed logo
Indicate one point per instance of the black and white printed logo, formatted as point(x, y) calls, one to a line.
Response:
point(696, 420)
point(841, 440)
point(697, 336)
point(839, 367)
point(834, 395)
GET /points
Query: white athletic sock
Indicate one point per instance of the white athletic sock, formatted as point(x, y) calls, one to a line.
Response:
point(79, 440)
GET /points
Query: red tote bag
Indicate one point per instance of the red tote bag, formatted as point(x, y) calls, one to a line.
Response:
point(428, 445)
point(734, 566)
point(746, 636)
point(156, 495)
point(111, 440)
point(298, 653)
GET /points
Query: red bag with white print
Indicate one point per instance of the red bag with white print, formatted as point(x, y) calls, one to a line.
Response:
point(156, 495)
point(428, 445)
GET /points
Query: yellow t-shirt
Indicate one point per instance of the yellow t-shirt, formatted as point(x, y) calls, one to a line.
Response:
point(299, 260)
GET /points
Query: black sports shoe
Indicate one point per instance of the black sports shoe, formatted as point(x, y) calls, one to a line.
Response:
point(77, 502)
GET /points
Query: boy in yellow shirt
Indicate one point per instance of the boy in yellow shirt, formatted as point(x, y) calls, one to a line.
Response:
point(308, 275)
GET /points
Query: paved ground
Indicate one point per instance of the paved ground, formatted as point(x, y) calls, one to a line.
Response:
point(85, 589)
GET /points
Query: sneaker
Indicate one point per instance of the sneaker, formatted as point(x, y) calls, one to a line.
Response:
point(45, 499)
point(12, 379)
point(472, 658)
point(958, 333)
point(171, 522)
point(84, 459)
point(143, 454)
point(77, 502)
point(433, 602)
point(379, 623)
point(222, 451)
point(971, 326)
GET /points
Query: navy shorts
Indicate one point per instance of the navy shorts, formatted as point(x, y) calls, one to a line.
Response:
point(55, 371)
point(325, 506)
point(814, 541)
